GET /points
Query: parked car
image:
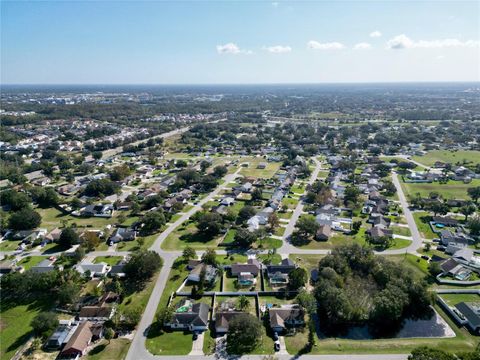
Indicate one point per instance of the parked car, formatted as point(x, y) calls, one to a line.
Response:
point(195, 335)
point(425, 257)
point(275, 336)
point(276, 345)
point(441, 248)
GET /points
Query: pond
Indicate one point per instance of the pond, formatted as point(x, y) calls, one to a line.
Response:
point(435, 326)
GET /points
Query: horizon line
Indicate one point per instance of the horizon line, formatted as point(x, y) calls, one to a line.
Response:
point(246, 84)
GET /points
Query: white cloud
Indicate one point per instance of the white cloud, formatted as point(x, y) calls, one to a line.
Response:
point(315, 45)
point(275, 4)
point(278, 49)
point(404, 42)
point(231, 48)
point(362, 46)
point(375, 34)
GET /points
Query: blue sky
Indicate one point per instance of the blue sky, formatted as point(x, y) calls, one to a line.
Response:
point(160, 42)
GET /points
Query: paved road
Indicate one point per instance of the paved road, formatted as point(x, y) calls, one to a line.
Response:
point(287, 247)
point(111, 152)
point(137, 349)
point(416, 238)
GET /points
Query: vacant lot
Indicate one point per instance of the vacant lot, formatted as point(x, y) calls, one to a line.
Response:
point(462, 156)
point(187, 234)
point(251, 170)
point(453, 299)
point(450, 190)
point(115, 349)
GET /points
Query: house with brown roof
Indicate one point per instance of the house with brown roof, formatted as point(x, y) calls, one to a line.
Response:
point(286, 316)
point(223, 319)
point(323, 232)
point(78, 343)
point(252, 266)
point(96, 313)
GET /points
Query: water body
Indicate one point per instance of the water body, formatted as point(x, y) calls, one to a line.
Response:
point(435, 326)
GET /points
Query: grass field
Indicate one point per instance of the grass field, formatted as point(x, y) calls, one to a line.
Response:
point(30, 261)
point(169, 343)
point(401, 230)
point(116, 349)
point(9, 245)
point(15, 324)
point(251, 170)
point(453, 157)
point(453, 299)
point(187, 235)
point(450, 190)
point(421, 219)
point(109, 260)
point(463, 341)
point(52, 218)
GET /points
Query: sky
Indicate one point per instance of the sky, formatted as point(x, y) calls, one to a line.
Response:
point(245, 42)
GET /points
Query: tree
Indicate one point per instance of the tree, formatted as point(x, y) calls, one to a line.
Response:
point(246, 213)
point(68, 237)
point(108, 334)
point(120, 172)
point(244, 334)
point(426, 353)
point(210, 223)
point(474, 193)
point(164, 316)
point(219, 171)
point(101, 187)
point(467, 210)
point(97, 155)
point(243, 303)
point(181, 163)
point(142, 265)
point(45, 197)
point(351, 194)
point(273, 221)
point(307, 301)
point(24, 219)
point(439, 208)
point(210, 257)
point(297, 278)
point(474, 226)
point(307, 225)
point(245, 238)
point(68, 293)
point(434, 268)
point(257, 194)
point(356, 226)
point(189, 253)
point(152, 221)
point(204, 165)
point(44, 323)
point(90, 240)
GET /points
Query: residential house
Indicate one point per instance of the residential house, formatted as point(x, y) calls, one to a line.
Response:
point(323, 233)
point(286, 316)
point(59, 336)
point(471, 312)
point(252, 266)
point(189, 316)
point(99, 210)
point(278, 274)
point(44, 266)
point(209, 270)
point(95, 270)
point(122, 234)
point(96, 313)
point(222, 320)
point(79, 342)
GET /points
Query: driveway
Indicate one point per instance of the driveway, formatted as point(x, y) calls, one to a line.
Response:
point(197, 346)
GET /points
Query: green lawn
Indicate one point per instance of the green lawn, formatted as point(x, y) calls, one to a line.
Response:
point(451, 190)
point(470, 156)
point(9, 245)
point(15, 324)
point(463, 341)
point(307, 261)
point(230, 284)
point(177, 275)
point(208, 343)
point(290, 202)
point(52, 218)
point(401, 230)
point(109, 260)
point(453, 299)
point(187, 235)
point(421, 219)
point(138, 299)
point(252, 171)
point(31, 261)
point(169, 343)
point(269, 243)
point(116, 349)
point(229, 237)
point(231, 259)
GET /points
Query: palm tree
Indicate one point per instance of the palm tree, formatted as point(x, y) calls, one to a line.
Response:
point(243, 303)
